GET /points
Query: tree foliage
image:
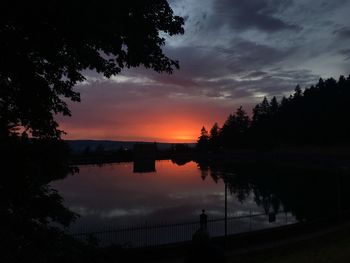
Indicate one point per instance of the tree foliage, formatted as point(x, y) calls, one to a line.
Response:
point(316, 116)
point(233, 132)
point(28, 204)
point(45, 46)
point(214, 136)
point(203, 140)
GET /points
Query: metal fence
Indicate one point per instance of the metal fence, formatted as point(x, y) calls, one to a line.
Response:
point(148, 235)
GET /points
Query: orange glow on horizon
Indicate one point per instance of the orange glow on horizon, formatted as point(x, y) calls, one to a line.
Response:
point(158, 122)
point(177, 131)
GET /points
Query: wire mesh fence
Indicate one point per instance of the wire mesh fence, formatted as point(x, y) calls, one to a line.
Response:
point(150, 235)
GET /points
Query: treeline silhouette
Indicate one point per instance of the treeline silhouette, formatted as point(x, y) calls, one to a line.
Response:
point(316, 116)
point(321, 193)
point(180, 153)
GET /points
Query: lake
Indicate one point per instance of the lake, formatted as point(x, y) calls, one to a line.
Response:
point(120, 195)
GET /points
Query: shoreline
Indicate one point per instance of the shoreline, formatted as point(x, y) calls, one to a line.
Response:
point(247, 244)
point(321, 157)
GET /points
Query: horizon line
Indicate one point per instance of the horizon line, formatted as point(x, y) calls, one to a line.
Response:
point(114, 140)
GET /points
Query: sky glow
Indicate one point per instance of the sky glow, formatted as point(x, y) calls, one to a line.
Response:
point(232, 53)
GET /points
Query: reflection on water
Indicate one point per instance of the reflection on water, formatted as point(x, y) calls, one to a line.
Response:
point(144, 166)
point(123, 194)
point(113, 195)
point(306, 190)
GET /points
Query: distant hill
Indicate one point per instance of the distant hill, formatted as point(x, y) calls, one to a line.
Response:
point(81, 145)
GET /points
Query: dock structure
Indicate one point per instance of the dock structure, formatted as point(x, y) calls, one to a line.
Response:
point(144, 157)
point(145, 150)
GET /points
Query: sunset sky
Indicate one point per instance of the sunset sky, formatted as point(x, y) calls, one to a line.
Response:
point(233, 53)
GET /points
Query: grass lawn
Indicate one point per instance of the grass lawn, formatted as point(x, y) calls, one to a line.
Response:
point(331, 247)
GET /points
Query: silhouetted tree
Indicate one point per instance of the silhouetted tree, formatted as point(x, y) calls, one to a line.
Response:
point(316, 116)
point(86, 150)
point(214, 136)
point(203, 140)
point(45, 47)
point(272, 191)
point(261, 112)
point(274, 106)
point(298, 93)
point(28, 205)
point(234, 131)
point(242, 121)
point(227, 133)
point(100, 149)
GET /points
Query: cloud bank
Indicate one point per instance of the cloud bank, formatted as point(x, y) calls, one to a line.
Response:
point(233, 53)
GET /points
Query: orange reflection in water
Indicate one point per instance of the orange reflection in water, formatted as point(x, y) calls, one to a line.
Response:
point(113, 194)
point(168, 168)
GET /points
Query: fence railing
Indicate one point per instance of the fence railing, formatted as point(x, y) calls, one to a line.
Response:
point(148, 235)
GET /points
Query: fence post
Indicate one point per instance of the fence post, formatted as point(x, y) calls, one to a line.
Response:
point(250, 220)
point(286, 217)
point(225, 212)
point(146, 230)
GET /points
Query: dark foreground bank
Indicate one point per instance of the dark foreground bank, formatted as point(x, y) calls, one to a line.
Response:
point(326, 240)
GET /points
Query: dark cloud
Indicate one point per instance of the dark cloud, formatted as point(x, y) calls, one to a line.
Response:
point(276, 82)
point(240, 56)
point(251, 55)
point(280, 81)
point(343, 32)
point(345, 53)
point(233, 53)
point(198, 61)
point(257, 14)
point(255, 74)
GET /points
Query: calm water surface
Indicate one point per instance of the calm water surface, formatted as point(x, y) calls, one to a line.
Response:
point(113, 195)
